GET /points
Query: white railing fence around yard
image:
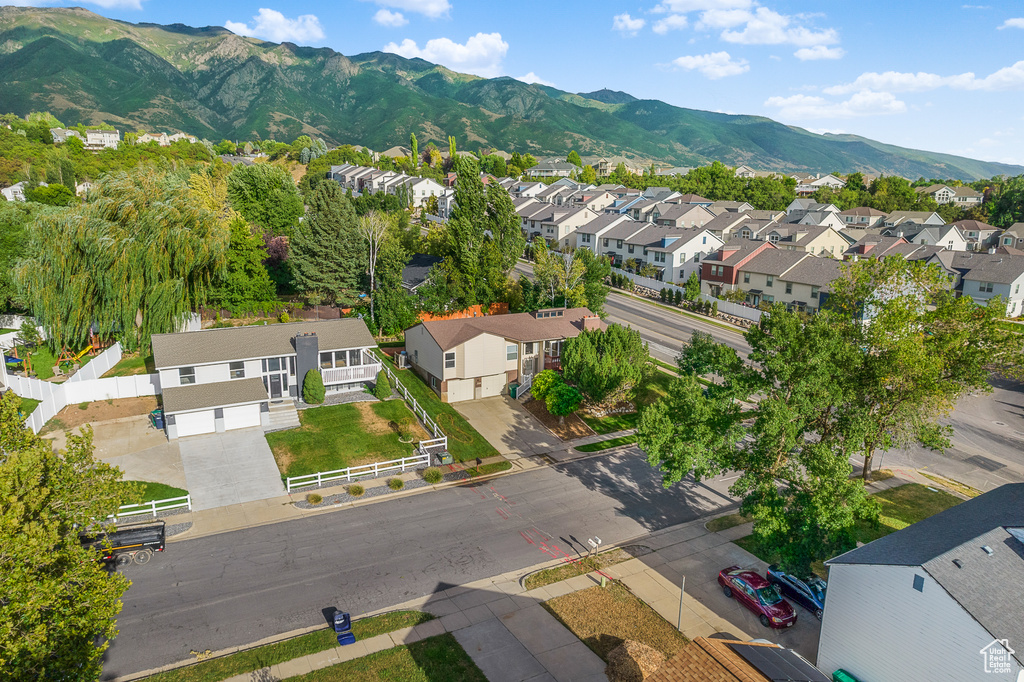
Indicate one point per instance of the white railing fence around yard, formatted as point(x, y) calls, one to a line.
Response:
point(365, 471)
point(153, 507)
point(726, 307)
point(55, 397)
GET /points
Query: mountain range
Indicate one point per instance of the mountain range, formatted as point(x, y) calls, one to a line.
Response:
point(209, 82)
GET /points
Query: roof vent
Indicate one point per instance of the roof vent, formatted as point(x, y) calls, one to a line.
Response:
point(958, 563)
point(986, 549)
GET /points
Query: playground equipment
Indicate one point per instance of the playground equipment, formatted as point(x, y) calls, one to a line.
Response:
point(25, 362)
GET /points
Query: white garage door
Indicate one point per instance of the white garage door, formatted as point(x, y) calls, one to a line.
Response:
point(241, 417)
point(492, 385)
point(460, 389)
point(194, 423)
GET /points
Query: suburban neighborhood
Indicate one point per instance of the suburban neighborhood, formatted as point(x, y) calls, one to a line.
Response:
point(457, 392)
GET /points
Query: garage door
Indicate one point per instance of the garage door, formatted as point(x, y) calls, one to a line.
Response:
point(492, 385)
point(460, 389)
point(193, 423)
point(241, 417)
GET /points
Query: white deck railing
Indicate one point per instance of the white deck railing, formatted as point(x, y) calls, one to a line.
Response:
point(345, 375)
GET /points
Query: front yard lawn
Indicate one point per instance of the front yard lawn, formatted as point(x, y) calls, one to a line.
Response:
point(253, 659)
point(485, 469)
point(655, 387)
point(900, 507)
point(341, 436)
point(607, 444)
point(604, 617)
point(464, 442)
point(435, 659)
point(571, 569)
point(158, 491)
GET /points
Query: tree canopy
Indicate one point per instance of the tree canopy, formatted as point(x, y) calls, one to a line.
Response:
point(606, 365)
point(265, 195)
point(134, 261)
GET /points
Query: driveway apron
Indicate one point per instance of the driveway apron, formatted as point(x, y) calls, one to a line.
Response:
point(228, 468)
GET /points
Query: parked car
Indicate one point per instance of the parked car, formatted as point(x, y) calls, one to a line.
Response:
point(807, 592)
point(758, 595)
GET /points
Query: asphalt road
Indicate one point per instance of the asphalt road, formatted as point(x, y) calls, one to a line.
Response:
point(236, 588)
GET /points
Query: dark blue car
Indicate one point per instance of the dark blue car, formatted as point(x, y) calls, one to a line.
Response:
point(807, 592)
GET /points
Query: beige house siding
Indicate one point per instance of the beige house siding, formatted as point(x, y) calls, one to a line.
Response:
point(477, 357)
point(424, 352)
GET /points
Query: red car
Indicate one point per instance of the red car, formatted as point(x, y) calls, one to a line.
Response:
point(758, 595)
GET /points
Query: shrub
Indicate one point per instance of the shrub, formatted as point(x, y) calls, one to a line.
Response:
point(563, 399)
point(382, 386)
point(313, 391)
point(283, 317)
point(356, 490)
point(664, 292)
point(432, 475)
point(543, 382)
point(714, 309)
point(314, 498)
point(679, 296)
point(396, 483)
point(83, 406)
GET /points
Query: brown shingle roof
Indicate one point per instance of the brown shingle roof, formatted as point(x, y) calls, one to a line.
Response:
point(517, 326)
point(774, 261)
point(708, 660)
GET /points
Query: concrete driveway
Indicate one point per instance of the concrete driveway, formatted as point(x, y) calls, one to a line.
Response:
point(228, 468)
point(507, 426)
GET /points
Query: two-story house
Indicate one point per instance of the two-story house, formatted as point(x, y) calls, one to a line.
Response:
point(684, 215)
point(478, 357)
point(674, 252)
point(102, 139)
point(614, 243)
point(811, 239)
point(917, 217)
point(987, 275)
point(589, 236)
point(720, 270)
point(215, 380)
point(947, 236)
point(863, 216)
point(559, 225)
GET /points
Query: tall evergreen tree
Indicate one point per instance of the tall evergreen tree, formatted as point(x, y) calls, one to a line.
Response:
point(246, 280)
point(393, 306)
point(574, 158)
point(328, 257)
point(505, 226)
point(415, 147)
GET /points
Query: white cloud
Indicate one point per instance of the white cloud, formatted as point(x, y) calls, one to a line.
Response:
point(670, 23)
point(481, 55)
point(714, 65)
point(534, 78)
point(627, 24)
point(1007, 78)
point(429, 8)
point(684, 6)
point(819, 52)
point(767, 27)
point(1017, 22)
point(271, 25)
point(386, 17)
point(723, 18)
point(863, 103)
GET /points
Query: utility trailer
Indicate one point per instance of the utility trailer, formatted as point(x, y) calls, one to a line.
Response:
point(129, 543)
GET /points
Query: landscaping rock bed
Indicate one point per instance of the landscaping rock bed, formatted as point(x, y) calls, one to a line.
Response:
point(375, 491)
point(177, 528)
point(339, 399)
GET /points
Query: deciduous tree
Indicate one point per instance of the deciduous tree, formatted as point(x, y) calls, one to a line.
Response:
point(606, 365)
point(265, 195)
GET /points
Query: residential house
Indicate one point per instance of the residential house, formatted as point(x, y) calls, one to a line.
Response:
point(694, 199)
point(589, 236)
point(942, 599)
point(527, 189)
point(967, 197)
point(722, 225)
point(553, 169)
point(873, 246)
point(674, 251)
point(980, 236)
point(720, 270)
point(216, 380)
point(682, 215)
point(102, 139)
point(612, 242)
point(745, 172)
point(15, 192)
point(727, 660)
point(558, 225)
point(418, 190)
point(478, 357)
point(82, 188)
point(947, 236)
point(944, 194)
point(62, 135)
point(674, 170)
point(1013, 236)
point(163, 139)
point(818, 218)
point(445, 203)
point(987, 275)
point(802, 204)
point(397, 152)
point(416, 271)
point(917, 217)
point(811, 239)
point(863, 216)
point(595, 200)
point(719, 207)
point(763, 277)
point(807, 187)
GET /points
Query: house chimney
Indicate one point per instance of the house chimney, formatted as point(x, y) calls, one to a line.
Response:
point(991, 249)
point(591, 322)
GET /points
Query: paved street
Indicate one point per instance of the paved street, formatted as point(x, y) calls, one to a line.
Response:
point(232, 589)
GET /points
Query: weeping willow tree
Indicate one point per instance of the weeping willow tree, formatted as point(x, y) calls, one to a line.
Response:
point(134, 261)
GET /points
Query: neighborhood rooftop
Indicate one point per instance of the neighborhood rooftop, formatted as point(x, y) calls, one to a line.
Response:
point(517, 326)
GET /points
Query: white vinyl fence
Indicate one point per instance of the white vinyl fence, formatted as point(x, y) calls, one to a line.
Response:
point(14, 322)
point(153, 508)
point(368, 470)
point(55, 397)
point(726, 307)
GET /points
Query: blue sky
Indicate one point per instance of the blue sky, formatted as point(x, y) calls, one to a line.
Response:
point(938, 76)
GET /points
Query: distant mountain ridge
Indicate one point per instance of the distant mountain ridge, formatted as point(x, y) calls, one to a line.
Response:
point(212, 83)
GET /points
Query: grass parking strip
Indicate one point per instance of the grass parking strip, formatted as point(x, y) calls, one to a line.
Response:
point(607, 444)
point(247, 661)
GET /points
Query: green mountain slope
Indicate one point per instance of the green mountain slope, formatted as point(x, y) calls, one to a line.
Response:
point(209, 82)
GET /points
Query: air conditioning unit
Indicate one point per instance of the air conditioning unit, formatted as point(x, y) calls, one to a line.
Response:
point(403, 360)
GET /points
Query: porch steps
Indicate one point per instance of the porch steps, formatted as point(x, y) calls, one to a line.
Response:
point(283, 415)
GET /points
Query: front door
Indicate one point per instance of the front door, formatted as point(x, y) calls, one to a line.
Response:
point(275, 386)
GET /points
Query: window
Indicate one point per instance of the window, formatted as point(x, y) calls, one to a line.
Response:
point(341, 358)
point(769, 280)
point(355, 358)
point(746, 278)
point(630, 249)
point(326, 361)
point(274, 364)
point(789, 287)
point(1017, 289)
point(528, 348)
point(618, 243)
point(768, 299)
point(187, 375)
point(586, 239)
point(416, 356)
point(985, 287)
point(704, 240)
point(511, 352)
point(919, 583)
point(433, 381)
point(696, 257)
point(449, 360)
point(237, 370)
point(814, 292)
point(606, 242)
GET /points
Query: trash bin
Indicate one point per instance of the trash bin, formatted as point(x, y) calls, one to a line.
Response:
point(342, 621)
point(157, 418)
point(513, 390)
point(843, 676)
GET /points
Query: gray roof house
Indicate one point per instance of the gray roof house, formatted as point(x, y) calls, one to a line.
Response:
point(216, 380)
point(942, 599)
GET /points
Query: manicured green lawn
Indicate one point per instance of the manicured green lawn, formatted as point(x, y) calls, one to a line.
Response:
point(726, 522)
point(607, 444)
point(43, 360)
point(131, 365)
point(158, 491)
point(435, 659)
point(464, 442)
point(655, 387)
point(260, 657)
point(900, 507)
point(28, 406)
point(340, 436)
point(485, 469)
